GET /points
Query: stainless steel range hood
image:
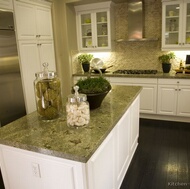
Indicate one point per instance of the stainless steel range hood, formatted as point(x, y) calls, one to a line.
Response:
point(136, 22)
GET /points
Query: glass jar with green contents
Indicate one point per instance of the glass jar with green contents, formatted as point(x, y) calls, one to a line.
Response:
point(47, 87)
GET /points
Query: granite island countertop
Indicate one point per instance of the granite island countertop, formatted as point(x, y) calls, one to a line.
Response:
point(56, 139)
point(171, 75)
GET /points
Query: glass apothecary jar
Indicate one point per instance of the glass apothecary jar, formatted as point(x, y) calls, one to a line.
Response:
point(47, 87)
point(77, 110)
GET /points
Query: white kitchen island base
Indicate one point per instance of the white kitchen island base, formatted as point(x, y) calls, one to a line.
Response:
point(106, 168)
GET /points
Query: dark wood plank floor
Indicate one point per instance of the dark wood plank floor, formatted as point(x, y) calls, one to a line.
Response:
point(162, 159)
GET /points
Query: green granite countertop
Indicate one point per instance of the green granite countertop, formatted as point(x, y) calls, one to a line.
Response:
point(56, 139)
point(171, 75)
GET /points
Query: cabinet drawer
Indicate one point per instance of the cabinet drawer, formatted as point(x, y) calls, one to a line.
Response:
point(133, 80)
point(174, 81)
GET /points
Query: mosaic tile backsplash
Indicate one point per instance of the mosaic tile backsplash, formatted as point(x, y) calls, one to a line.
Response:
point(138, 54)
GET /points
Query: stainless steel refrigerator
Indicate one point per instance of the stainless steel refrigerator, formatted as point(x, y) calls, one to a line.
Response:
point(12, 104)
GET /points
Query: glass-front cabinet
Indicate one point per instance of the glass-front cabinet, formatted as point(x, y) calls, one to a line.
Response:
point(94, 27)
point(175, 25)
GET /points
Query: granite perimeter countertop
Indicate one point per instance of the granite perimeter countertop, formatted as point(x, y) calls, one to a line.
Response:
point(56, 139)
point(171, 75)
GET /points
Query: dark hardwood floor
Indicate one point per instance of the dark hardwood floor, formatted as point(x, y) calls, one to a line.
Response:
point(162, 159)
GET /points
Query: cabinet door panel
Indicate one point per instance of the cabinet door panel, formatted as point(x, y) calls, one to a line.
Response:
point(25, 20)
point(46, 50)
point(184, 101)
point(44, 23)
point(123, 147)
point(167, 100)
point(29, 61)
point(101, 166)
point(148, 99)
point(134, 131)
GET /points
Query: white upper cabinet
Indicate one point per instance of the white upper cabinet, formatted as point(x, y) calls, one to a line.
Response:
point(94, 26)
point(176, 25)
point(6, 4)
point(33, 22)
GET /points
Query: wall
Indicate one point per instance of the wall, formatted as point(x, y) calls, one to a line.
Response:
point(127, 55)
point(134, 55)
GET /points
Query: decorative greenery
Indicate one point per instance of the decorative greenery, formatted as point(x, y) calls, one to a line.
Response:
point(93, 85)
point(165, 58)
point(85, 58)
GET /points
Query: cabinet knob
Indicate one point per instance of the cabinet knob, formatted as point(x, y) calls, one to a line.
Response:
point(179, 89)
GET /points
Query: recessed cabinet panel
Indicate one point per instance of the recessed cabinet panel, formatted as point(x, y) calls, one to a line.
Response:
point(25, 21)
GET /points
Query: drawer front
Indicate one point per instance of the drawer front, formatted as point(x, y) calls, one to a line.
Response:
point(174, 81)
point(133, 80)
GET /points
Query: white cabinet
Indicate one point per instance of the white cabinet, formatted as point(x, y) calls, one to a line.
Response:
point(6, 4)
point(33, 22)
point(95, 26)
point(35, 43)
point(32, 56)
point(148, 96)
point(173, 97)
point(175, 24)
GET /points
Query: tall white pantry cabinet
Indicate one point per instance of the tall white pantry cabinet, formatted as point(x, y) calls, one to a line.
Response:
point(35, 43)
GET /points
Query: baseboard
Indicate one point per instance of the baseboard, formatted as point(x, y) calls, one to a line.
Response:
point(165, 117)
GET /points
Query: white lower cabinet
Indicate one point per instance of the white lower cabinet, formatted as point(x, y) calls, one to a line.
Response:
point(106, 168)
point(173, 97)
point(148, 94)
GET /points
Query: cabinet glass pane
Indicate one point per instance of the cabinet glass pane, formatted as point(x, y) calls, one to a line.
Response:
point(86, 30)
point(188, 24)
point(102, 29)
point(172, 24)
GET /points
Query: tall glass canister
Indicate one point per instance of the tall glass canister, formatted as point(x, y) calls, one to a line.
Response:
point(47, 87)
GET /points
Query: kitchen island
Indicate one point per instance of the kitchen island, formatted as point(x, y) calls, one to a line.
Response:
point(46, 155)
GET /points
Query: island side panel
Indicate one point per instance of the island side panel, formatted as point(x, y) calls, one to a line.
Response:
point(108, 165)
point(22, 169)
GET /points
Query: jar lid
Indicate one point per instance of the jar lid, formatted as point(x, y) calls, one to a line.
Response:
point(79, 98)
point(45, 74)
point(49, 74)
